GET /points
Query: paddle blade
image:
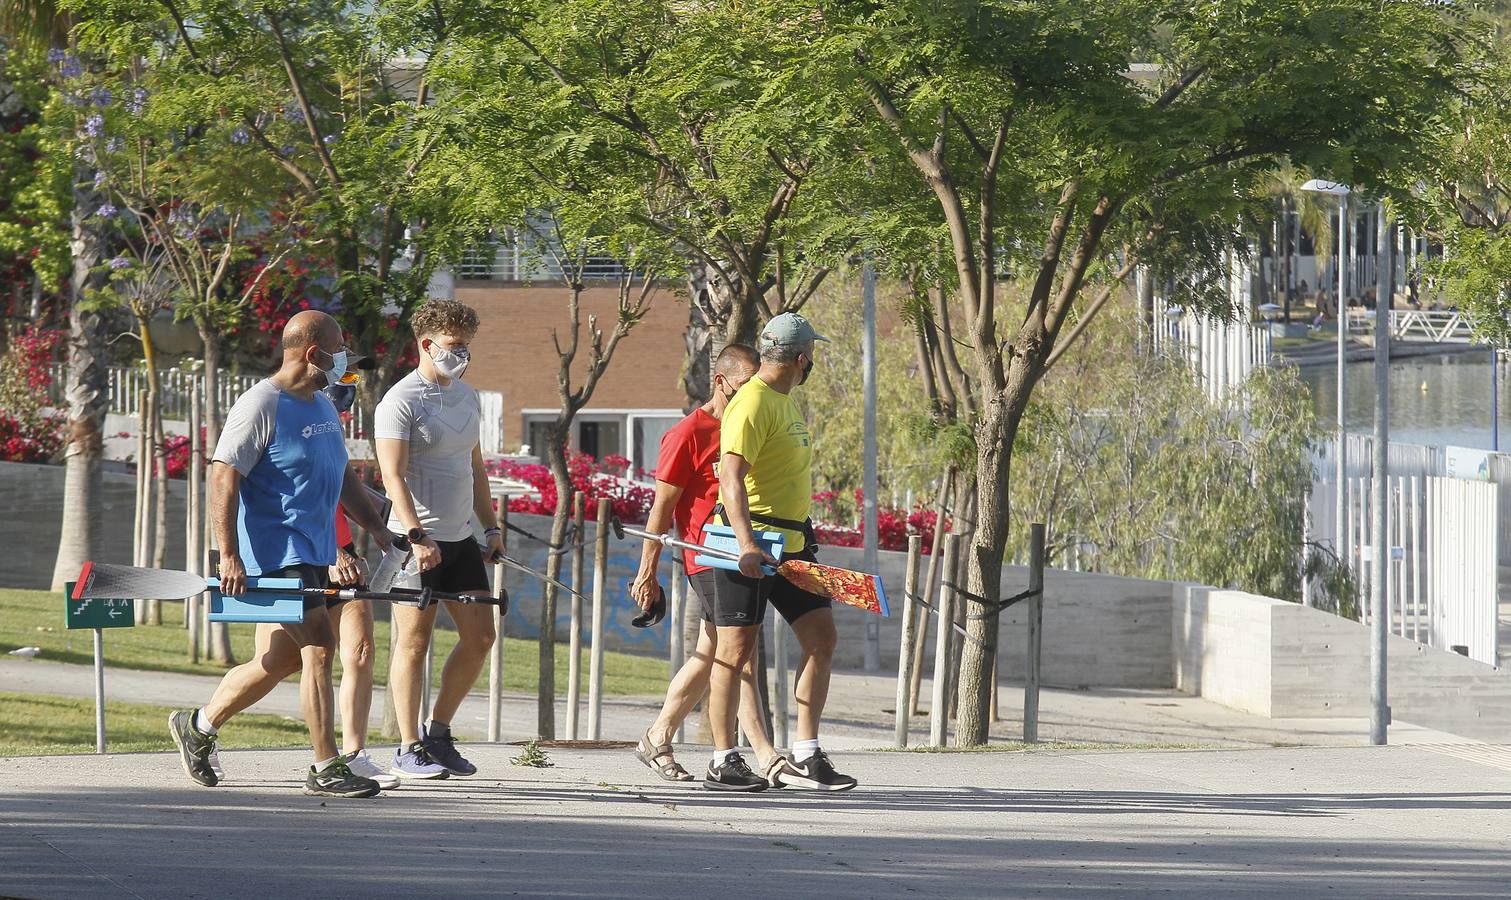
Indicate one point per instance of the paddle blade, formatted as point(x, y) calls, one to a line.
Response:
point(104, 581)
point(844, 585)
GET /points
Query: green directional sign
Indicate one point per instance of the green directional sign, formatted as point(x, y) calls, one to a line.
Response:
point(98, 613)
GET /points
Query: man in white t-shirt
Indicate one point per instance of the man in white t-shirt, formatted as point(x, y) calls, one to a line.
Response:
point(427, 434)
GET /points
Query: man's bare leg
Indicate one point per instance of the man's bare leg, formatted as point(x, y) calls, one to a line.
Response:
point(817, 637)
point(317, 695)
point(735, 645)
point(274, 658)
point(475, 637)
point(690, 684)
point(353, 623)
point(411, 638)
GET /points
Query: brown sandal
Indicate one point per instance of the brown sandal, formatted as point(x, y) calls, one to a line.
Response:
point(667, 767)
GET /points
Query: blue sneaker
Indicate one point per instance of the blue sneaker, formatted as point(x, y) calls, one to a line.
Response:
point(442, 748)
point(415, 761)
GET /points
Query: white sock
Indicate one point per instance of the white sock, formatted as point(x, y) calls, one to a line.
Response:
point(202, 723)
point(320, 765)
point(721, 755)
point(802, 751)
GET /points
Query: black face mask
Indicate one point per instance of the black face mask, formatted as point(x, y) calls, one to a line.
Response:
point(807, 369)
point(341, 395)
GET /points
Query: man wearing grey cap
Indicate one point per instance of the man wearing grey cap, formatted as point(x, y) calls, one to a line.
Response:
point(766, 478)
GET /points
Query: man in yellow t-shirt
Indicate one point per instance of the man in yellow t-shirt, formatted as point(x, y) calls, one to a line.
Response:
point(766, 479)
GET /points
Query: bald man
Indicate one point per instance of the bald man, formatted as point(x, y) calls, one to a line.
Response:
point(279, 469)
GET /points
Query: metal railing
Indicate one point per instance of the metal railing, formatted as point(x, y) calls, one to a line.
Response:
point(1438, 326)
point(514, 261)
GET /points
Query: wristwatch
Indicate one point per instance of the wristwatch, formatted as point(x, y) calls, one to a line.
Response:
point(416, 535)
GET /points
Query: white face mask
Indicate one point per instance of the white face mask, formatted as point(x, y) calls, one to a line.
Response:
point(450, 363)
point(337, 371)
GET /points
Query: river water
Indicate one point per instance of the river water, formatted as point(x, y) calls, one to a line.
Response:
point(1433, 399)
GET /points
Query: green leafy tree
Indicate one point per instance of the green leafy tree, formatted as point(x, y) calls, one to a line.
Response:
point(43, 26)
point(688, 124)
point(1467, 207)
point(336, 97)
point(34, 192)
point(1063, 141)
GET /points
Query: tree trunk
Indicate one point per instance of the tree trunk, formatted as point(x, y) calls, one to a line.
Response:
point(159, 464)
point(697, 370)
point(217, 635)
point(556, 459)
point(994, 441)
point(211, 340)
point(88, 394)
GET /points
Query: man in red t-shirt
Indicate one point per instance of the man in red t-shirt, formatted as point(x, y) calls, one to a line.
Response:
point(687, 489)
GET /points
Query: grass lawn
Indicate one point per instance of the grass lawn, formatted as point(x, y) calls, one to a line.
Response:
point(35, 619)
point(40, 726)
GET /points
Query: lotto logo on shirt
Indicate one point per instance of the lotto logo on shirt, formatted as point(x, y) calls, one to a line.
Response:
point(798, 431)
point(310, 431)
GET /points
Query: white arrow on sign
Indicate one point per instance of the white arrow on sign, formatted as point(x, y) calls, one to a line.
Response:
point(115, 612)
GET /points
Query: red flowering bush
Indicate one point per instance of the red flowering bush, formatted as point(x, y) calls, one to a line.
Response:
point(178, 453)
point(631, 502)
point(27, 432)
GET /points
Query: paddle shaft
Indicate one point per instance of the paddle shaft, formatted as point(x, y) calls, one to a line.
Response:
point(666, 540)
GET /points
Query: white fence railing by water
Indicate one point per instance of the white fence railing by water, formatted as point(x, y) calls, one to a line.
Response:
point(1416, 459)
point(126, 384)
point(1441, 536)
point(1436, 325)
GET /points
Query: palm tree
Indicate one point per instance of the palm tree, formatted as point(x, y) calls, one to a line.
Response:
point(40, 24)
point(1284, 185)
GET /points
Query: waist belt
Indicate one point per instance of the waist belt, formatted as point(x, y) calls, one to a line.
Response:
point(805, 527)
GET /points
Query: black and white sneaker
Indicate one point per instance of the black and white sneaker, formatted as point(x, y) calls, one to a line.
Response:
point(816, 773)
point(733, 775)
point(336, 780)
point(196, 750)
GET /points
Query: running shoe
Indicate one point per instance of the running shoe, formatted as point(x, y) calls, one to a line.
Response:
point(733, 774)
point(442, 748)
point(415, 761)
point(195, 749)
point(816, 773)
point(780, 767)
point(337, 780)
point(361, 764)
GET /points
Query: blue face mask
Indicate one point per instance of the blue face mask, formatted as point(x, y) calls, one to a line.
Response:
point(336, 374)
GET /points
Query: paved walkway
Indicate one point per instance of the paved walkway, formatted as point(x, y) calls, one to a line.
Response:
point(859, 713)
point(1338, 822)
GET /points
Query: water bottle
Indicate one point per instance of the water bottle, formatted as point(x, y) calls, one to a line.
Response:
point(391, 566)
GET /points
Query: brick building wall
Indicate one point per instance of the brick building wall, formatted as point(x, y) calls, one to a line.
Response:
point(513, 353)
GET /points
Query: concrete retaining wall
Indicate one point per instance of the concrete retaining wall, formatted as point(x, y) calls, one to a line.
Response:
point(1282, 660)
point(32, 520)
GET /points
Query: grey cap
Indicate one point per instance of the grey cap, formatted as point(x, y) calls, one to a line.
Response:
point(789, 330)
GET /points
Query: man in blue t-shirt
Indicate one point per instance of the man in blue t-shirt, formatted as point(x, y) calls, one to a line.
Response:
point(278, 472)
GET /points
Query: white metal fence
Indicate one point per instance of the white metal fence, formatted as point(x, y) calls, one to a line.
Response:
point(1441, 535)
point(126, 384)
point(1224, 353)
point(1418, 459)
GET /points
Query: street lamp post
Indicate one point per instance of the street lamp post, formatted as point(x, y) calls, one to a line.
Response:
point(1269, 312)
point(1379, 581)
point(1340, 493)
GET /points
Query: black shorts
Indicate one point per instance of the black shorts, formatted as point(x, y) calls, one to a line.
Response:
point(742, 601)
point(703, 586)
point(461, 570)
point(309, 576)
